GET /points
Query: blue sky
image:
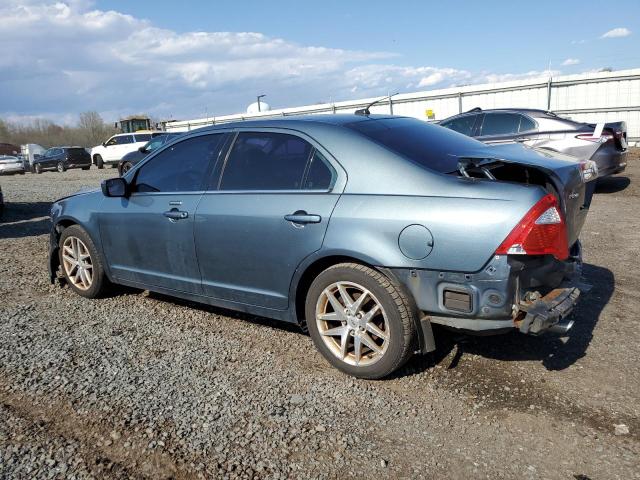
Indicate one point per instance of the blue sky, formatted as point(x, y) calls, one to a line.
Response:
point(501, 36)
point(187, 59)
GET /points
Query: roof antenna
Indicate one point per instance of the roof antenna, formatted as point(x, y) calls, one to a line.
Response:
point(365, 110)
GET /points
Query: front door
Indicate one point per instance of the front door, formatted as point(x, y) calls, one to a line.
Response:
point(148, 237)
point(269, 212)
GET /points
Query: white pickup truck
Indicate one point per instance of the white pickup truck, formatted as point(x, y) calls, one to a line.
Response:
point(112, 151)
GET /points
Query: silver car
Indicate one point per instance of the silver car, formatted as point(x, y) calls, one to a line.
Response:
point(10, 165)
point(543, 129)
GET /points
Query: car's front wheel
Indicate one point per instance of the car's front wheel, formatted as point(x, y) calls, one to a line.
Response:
point(99, 161)
point(81, 263)
point(360, 321)
point(38, 168)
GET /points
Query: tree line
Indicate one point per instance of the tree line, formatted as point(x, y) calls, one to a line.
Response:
point(91, 130)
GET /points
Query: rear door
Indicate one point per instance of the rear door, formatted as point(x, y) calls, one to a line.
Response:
point(148, 237)
point(269, 210)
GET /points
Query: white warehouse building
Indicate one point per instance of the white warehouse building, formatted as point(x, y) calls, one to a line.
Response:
point(588, 97)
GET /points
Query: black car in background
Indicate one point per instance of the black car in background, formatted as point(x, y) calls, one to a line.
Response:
point(606, 146)
point(63, 158)
point(132, 158)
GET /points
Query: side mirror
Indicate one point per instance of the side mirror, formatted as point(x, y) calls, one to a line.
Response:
point(104, 144)
point(114, 187)
point(142, 149)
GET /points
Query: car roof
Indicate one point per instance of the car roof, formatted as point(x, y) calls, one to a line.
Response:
point(338, 119)
point(533, 112)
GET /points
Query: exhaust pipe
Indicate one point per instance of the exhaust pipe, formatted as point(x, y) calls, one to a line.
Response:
point(561, 327)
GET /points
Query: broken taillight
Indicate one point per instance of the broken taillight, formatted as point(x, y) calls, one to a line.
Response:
point(542, 231)
point(590, 138)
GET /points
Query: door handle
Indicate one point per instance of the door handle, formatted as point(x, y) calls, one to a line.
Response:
point(175, 214)
point(302, 217)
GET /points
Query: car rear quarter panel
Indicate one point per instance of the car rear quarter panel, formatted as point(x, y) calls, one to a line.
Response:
point(465, 231)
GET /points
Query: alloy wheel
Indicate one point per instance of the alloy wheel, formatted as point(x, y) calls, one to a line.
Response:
point(77, 263)
point(352, 323)
point(60, 167)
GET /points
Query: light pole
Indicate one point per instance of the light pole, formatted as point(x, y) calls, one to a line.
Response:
point(259, 97)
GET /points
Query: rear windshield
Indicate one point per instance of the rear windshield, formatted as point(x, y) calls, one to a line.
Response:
point(430, 146)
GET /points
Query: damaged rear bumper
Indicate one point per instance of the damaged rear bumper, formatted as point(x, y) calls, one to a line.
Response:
point(533, 295)
point(549, 312)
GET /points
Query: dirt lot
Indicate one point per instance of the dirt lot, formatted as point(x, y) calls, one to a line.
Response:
point(143, 386)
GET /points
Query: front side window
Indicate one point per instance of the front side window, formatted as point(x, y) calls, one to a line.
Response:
point(500, 124)
point(124, 139)
point(462, 124)
point(112, 141)
point(266, 161)
point(180, 168)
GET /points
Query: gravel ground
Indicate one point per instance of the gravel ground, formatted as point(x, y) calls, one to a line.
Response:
point(140, 385)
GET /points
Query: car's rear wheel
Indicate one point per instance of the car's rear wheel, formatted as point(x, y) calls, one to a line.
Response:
point(99, 161)
point(81, 263)
point(38, 168)
point(60, 167)
point(360, 321)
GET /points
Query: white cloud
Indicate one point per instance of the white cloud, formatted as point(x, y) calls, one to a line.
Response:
point(59, 59)
point(570, 61)
point(578, 42)
point(617, 33)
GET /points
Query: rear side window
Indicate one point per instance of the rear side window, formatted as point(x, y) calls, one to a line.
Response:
point(462, 124)
point(180, 168)
point(500, 124)
point(319, 175)
point(143, 137)
point(266, 161)
point(526, 124)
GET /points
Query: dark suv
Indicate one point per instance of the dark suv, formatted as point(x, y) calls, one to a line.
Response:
point(63, 158)
point(539, 128)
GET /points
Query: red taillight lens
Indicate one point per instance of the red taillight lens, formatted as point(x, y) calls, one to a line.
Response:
point(542, 231)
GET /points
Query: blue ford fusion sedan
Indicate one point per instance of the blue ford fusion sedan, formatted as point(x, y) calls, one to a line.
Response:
point(363, 229)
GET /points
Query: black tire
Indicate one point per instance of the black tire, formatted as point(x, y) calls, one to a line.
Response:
point(400, 312)
point(61, 167)
point(86, 168)
point(37, 168)
point(99, 162)
point(100, 284)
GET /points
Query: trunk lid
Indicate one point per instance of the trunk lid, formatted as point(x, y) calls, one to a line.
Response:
point(557, 173)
